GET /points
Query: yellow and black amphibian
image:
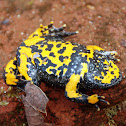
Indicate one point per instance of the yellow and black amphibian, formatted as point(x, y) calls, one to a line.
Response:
point(67, 64)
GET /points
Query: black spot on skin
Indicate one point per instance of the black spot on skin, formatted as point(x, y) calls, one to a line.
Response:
point(35, 49)
point(90, 59)
point(45, 29)
point(61, 73)
point(23, 77)
point(80, 48)
point(66, 57)
point(58, 45)
point(39, 42)
point(61, 58)
point(35, 35)
point(84, 59)
point(49, 63)
point(87, 51)
point(62, 50)
point(113, 80)
point(29, 60)
point(36, 61)
point(18, 57)
point(15, 62)
point(42, 58)
point(53, 70)
point(101, 77)
point(74, 48)
point(30, 65)
point(14, 70)
point(112, 72)
point(49, 47)
point(67, 43)
point(64, 65)
point(52, 54)
point(61, 68)
point(44, 33)
point(42, 45)
point(5, 72)
point(22, 44)
point(111, 65)
point(18, 77)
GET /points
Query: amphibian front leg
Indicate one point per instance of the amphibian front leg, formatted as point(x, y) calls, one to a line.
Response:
point(71, 93)
point(26, 65)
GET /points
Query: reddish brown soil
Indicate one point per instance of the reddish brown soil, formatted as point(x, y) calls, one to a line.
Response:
point(99, 22)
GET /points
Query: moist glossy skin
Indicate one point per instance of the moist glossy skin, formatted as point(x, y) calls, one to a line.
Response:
point(45, 55)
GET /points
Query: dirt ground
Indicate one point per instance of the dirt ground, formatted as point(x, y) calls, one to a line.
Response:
point(99, 22)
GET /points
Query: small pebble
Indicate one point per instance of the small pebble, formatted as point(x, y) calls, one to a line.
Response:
point(18, 16)
point(91, 7)
point(5, 22)
point(123, 43)
point(22, 33)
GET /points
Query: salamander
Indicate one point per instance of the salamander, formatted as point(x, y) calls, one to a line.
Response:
point(47, 56)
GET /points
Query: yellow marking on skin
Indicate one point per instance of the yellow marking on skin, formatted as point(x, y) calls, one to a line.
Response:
point(64, 71)
point(55, 60)
point(93, 99)
point(67, 61)
point(102, 73)
point(10, 77)
point(51, 22)
point(84, 69)
point(94, 47)
point(90, 55)
point(44, 63)
point(58, 72)
point(33, 41)
point(108, 77)
point(24, 52)
point(41, 26)
point(106, 62)
point(72, 86)
point(46, 27)
point(48, 70)
point(39, 31)
point(40, 60)
point(46, 32)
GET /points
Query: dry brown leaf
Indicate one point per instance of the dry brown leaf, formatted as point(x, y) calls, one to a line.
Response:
point(35, 102)
point(36, 97)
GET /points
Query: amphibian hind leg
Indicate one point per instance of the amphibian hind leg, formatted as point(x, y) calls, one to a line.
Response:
point(71, 93)
point(27, 68)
